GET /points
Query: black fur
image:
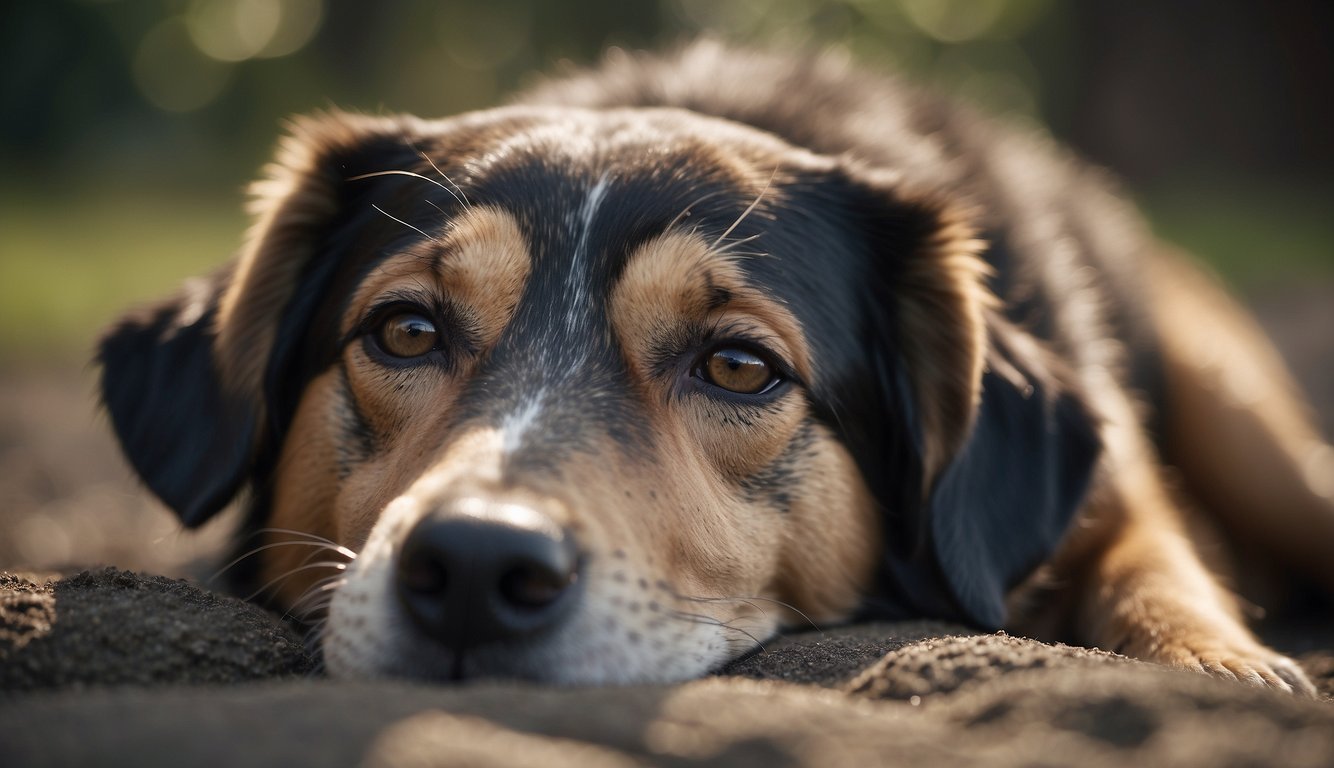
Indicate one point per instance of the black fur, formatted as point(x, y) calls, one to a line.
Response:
point(833, 249)
point(189, 440)
point(1005, 501)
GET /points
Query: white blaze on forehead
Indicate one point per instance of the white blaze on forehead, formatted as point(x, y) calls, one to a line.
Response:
point(520, 421)
point(576, 280)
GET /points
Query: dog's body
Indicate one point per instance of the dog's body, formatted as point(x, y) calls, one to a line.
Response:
point(608, 384)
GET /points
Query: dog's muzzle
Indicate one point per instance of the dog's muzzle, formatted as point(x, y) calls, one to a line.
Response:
point(478, 572)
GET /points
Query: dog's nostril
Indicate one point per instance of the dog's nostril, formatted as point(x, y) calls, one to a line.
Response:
point(534, 586)
point(422, 575)
point(467, 580)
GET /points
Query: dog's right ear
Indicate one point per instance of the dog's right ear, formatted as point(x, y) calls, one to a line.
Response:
point(184, 381)
point(186, 437)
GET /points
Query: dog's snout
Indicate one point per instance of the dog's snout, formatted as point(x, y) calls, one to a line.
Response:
point(468, 580)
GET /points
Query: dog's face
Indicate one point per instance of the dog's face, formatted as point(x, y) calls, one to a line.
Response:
point(595, 396)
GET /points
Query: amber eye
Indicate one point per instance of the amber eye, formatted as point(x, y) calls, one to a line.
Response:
point(407, 334)
point(737, 370)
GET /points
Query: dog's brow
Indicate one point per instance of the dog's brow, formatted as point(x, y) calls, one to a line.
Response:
point(679, 280)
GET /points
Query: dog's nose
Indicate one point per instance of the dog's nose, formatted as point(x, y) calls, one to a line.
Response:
point(469, 580)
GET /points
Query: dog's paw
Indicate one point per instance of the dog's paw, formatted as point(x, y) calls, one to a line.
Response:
point(1250, 664)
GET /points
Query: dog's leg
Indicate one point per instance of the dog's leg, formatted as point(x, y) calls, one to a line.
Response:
point(1236, 427)
point(1140, 587)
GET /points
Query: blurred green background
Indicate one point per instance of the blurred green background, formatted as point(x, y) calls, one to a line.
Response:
point(129, 128)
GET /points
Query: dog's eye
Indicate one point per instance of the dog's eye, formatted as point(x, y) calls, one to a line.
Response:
point(737, 370)
point(407, 334)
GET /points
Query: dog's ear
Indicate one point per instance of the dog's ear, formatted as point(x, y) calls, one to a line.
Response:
point(1005, 500)
point(187, 438)
point(983, 448)
point(184, 381)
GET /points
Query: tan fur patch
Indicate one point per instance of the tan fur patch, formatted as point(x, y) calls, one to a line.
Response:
point(833, 538)
point(479, 266)
point(306, 493)
point(1236, 427)
point(826, 551)
point(674, 277)
point(941, 304)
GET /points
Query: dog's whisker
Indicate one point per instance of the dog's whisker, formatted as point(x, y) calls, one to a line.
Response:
point(291, 573)
point(305, 615)
point(686, 211)
point(702, 618)
point(729, 249)
point(317, 552)
point(404, 223)
point(728, 626)
point(412, 174)
point(696, 618)
point(460, 197)
point(293, 532)
point(748, 598)
point(742, 641)
point(745, 600)
point(320, 590)
point(320, 547)
point(319, 594)
point(438, 208)
point(314, 639)
point(746, 212)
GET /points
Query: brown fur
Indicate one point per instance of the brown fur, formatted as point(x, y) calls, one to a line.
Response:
point(1237, 428)
point(369, 449)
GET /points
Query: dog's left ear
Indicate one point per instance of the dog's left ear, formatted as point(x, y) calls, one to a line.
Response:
point(985, 446)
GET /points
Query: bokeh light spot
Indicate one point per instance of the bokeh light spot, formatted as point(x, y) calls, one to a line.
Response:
point(299, 21)
point(953, 21)
point(484, 36)
point(233, 30)
point(170, 72)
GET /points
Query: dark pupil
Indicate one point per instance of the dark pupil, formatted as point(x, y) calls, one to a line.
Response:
point(409, 336)
point(738, 371)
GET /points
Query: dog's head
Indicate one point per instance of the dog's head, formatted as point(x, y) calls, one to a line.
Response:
point(601, 395)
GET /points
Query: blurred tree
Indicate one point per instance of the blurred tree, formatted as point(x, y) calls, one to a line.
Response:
point(165, 86)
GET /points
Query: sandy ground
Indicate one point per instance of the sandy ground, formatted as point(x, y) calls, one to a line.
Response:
point(67, 499)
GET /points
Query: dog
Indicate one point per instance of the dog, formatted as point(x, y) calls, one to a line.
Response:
point(614, 382)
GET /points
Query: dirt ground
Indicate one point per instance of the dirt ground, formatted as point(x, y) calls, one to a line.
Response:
point(67, 499)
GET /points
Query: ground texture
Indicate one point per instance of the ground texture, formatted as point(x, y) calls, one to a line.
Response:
point(115, 667)
point(111, 667)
